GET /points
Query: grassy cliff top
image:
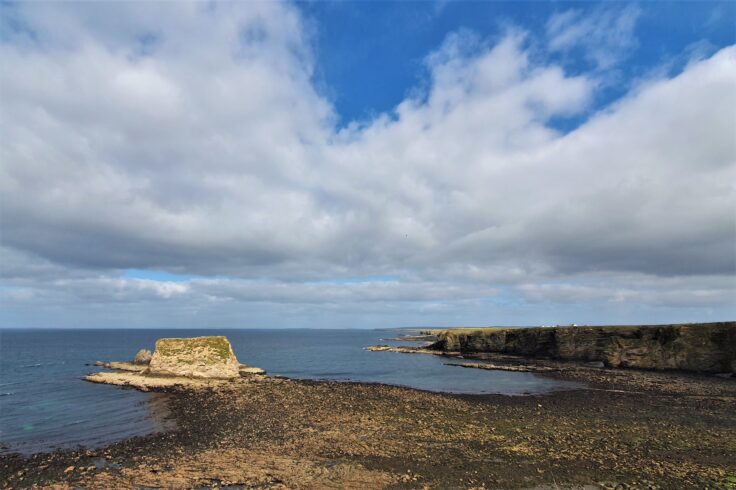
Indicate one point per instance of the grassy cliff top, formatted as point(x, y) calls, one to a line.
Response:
point(215, 349)
point(481, 330)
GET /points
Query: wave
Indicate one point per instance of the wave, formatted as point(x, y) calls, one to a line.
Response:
point(12, 383)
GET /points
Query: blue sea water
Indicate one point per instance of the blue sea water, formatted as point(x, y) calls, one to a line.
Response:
point(45, 404)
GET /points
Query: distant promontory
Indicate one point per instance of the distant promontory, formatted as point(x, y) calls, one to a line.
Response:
point(699, 347)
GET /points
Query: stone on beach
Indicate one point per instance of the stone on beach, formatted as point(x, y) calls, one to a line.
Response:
point(245, 369)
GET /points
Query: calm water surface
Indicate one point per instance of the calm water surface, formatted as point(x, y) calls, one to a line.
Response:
point(44, 404)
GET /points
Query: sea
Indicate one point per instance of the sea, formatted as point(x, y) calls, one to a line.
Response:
point(46, 405)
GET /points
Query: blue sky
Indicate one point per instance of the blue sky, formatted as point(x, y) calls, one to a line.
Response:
point(370, 55)
point(367, 164)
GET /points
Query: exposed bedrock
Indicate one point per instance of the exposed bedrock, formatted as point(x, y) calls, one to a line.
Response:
point(193, 363)
point(703, 347)
point(196, 357)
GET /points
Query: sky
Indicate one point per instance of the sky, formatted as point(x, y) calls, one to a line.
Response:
point(366, 164)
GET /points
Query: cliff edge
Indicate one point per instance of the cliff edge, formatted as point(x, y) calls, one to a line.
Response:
point(700, 347)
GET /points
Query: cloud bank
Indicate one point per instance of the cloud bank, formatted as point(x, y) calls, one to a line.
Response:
point(192, 139)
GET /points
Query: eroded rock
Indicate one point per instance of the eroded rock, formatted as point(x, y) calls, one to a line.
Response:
point(147, 383)
point(246, 370)
point(143, 357)
point(707, 347)
point(190, 363)
point(195, 357)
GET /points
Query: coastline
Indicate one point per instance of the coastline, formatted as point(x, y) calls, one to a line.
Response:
point(283, 433)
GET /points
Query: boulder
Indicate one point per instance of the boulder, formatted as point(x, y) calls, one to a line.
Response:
point(196, 357)
point(246, 370)
point(143, 357)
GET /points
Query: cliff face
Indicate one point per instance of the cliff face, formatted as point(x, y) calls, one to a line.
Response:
point(197, 357)
point(704, 347)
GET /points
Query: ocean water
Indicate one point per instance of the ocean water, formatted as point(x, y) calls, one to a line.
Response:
point(44, 403)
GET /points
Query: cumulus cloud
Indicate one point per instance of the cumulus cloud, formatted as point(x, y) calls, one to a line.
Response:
point(191, 139)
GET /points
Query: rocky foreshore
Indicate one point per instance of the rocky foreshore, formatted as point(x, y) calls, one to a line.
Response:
point(628, 429)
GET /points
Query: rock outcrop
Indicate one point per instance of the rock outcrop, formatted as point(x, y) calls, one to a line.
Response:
point(190, 363)
point(196, 357)
point(704, 347)
point(143, 357)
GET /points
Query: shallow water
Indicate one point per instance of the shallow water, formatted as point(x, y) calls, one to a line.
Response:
point(44, 404)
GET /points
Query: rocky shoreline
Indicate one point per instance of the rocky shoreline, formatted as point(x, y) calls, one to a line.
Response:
point(626, 429)
point(630, 429)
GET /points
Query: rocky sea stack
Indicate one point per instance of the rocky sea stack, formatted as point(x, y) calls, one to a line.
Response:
point(191, 362)
point(196, 357)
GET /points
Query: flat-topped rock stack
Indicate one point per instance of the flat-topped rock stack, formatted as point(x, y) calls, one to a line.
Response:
point(196, 357)
point(192, 362)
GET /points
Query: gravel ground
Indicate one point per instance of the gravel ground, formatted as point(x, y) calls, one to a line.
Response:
point(631, 429)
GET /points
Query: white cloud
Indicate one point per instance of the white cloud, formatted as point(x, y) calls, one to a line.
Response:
point(696, 291)
point(606, 36)
point(192, 140)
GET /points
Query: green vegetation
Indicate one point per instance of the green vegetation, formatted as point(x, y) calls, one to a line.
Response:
point(465, 330)
point(213, 349)
point(729, 483)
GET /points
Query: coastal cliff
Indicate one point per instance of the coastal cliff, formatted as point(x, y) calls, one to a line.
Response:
point(702, 347)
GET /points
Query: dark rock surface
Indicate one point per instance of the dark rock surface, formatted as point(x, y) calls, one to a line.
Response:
point(701, 347)
point(632, 429)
